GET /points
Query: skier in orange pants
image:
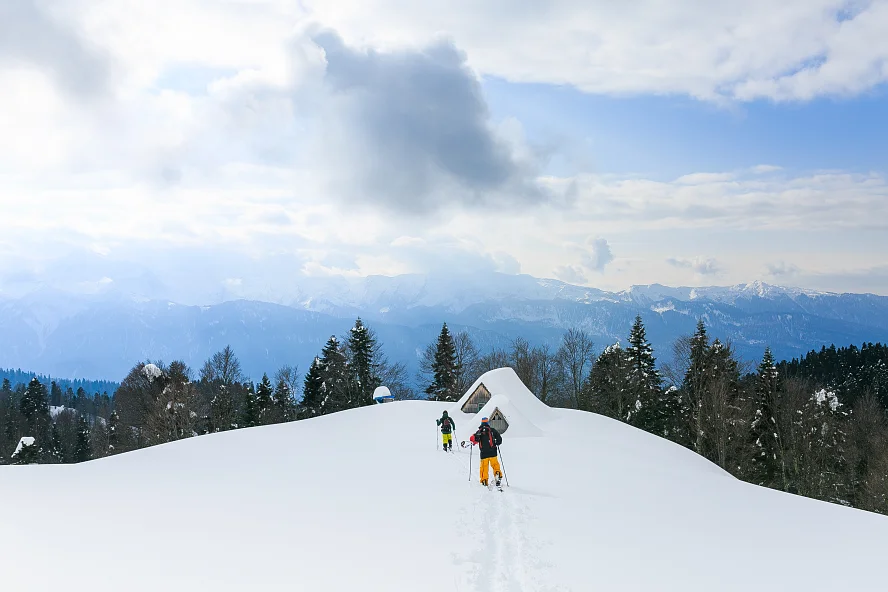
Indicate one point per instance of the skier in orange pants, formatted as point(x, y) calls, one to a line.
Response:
point(487, 439)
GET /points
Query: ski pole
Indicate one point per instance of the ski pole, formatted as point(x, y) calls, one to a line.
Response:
point(470, 462)
point(504, 465)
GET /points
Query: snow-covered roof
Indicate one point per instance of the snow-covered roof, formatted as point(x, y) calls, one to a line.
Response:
point(25, 441)
point(383, 392)
point(523, 411)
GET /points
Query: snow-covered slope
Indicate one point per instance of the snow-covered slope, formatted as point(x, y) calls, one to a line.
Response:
point(364, 500)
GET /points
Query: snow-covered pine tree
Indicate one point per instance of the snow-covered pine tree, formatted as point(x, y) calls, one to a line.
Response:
point(264, 401)
point(114, 433)
point(692, 390)
point(250, 413)
point(363, 354)
point(606, 389)
point(98, 438)
point(767, 446)
point(651, 409)
point(8, 414)
point(34, 407)
point(444, 369)
point(283, 403)
point(29, 454)
point(312, 393)
point(83, 449)
point(334, 377)
point(721, 418)
point(56, 449)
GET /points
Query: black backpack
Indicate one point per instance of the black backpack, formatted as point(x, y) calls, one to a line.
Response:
point(446, 424)
point(485, 435)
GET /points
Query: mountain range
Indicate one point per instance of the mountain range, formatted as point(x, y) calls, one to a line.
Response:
point(101, 335)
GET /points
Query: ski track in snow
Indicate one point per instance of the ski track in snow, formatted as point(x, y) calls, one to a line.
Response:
point(503, 557)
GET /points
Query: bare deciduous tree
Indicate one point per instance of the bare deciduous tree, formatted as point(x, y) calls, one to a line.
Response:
point(548, 373)
point(576, 356)
point(868, 458)
point(492, 360)
point(289, 375)
point(223, 367)
point(466, 361)
point(523, 362)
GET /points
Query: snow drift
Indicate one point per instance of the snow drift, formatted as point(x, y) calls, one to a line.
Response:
point(366, 500)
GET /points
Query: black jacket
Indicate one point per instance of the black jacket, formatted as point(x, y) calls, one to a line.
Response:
point(488, 439)
point(446, 427)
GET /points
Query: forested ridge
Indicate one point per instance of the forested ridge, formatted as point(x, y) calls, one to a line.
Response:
point(816, 426)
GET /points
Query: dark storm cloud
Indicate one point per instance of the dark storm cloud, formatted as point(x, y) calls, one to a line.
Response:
point(29, 34)
point(417, 123)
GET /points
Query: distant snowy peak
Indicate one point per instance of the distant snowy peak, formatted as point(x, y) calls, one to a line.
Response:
point(723, 294)
point(455, 293)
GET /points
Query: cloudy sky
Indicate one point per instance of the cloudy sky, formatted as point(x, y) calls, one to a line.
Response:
point(219, 148)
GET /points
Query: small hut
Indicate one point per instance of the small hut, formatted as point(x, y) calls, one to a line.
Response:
point(502, 397)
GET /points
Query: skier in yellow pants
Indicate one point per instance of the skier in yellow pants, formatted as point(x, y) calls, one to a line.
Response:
point(447, 426)
point(487, 439)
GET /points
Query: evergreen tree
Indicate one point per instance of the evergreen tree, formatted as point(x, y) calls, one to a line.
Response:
point(250, 416)
point(606, 390)
point(693, 390)
point(721, 411)
point(83, 449)
point(334, 377)
point(768, 467)
point(29, 454)
point(57, 449)
point(312, 394)
point(114, 443)
point(264, 399)
point(283, 404)
point(79, 398)
point(8, 420)
point(652, 409)
point(34, 407)
point(820, 465)
point(364, 368)
point(55, 395)
point(444, 369)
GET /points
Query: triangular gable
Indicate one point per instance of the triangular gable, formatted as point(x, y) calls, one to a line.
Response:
point(498, 421)
point(477, 400)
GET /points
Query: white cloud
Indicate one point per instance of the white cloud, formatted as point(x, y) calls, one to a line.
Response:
point(571, 274)
point(782, 269)
point(700, 265)
point(740, 50)
point(597, 254)
point(408, 241)
point(704, 178)
point(766, 168)
point(209, 139)
point(825, 201)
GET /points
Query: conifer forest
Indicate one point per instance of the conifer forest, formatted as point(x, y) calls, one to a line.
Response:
point(815, 426)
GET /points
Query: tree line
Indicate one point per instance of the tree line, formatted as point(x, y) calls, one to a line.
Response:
point(66, 386)
point(815, 426)
point(158, 403)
